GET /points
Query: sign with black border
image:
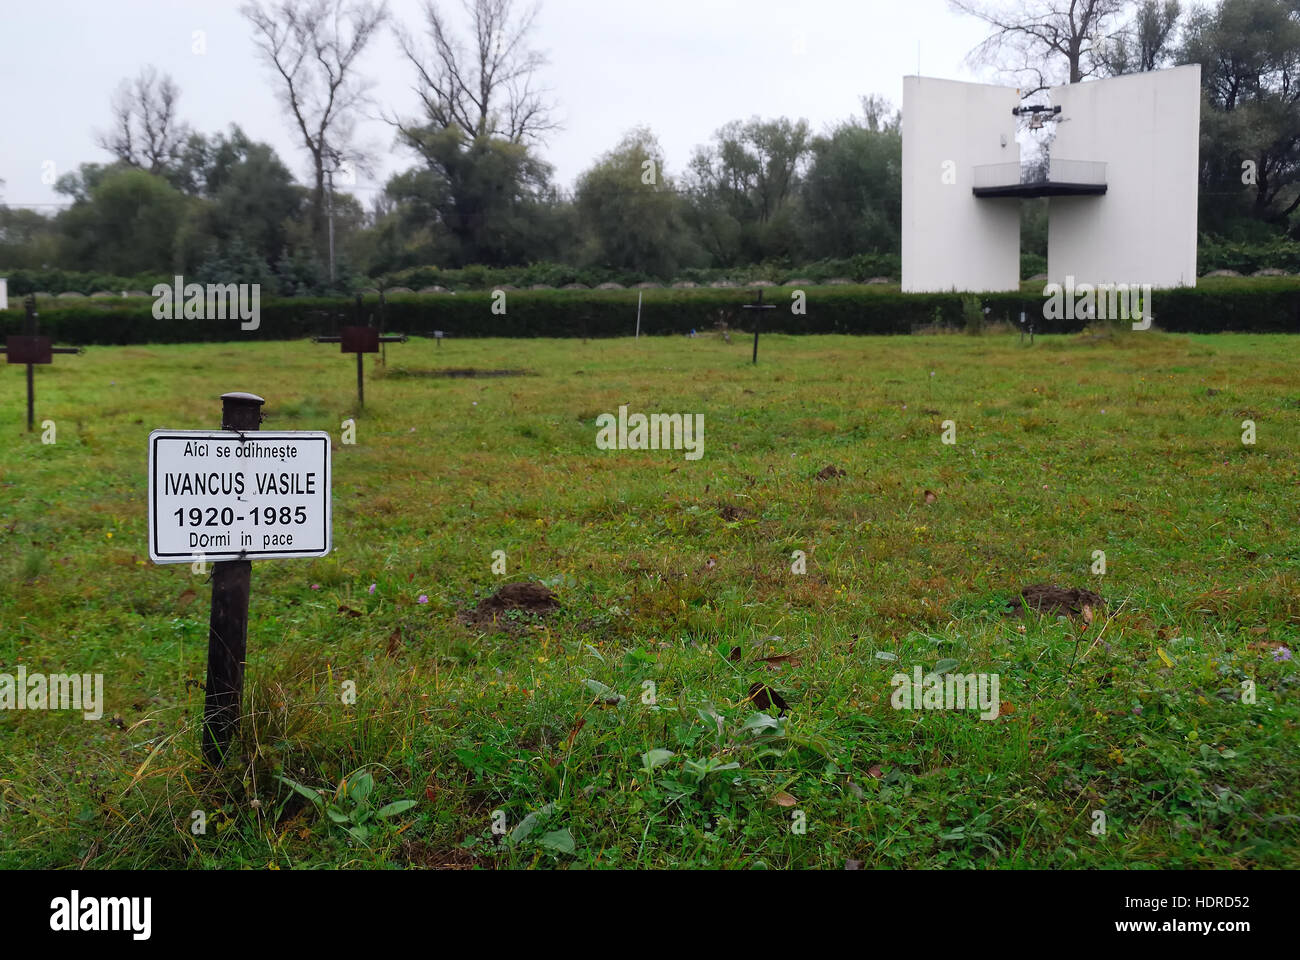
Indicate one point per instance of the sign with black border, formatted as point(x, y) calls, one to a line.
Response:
point(218, 495)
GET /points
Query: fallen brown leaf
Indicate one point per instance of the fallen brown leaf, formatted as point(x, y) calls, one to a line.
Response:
point(764, 697)
point(395, 642)
point(776, 662)
point(582, 722)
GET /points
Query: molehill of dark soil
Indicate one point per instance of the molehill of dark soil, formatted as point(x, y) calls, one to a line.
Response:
point(1049, 599)
point(528, 597)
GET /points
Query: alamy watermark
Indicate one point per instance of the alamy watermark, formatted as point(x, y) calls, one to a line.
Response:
point(658, 431)
point(1102, 301)
point(216, 301)
point(55, 691)
point(76, 913)
point(951, 691)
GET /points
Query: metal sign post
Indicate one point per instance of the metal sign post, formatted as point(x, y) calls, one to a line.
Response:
point(32, 349)
point(232, 496)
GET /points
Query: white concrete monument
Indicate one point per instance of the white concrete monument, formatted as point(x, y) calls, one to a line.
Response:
point(1122, 181)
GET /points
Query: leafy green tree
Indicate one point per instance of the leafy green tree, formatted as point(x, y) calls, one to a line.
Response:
point(488, 196)
point(1249, 51)
point(27, 239)
point(629, 213)
point(483, 195)
point(248, 196)
point(125, 224)
point(78, 184)
point(743, 187)
point(852, 194)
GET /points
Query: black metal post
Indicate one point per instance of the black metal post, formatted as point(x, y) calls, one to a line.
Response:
point(760, 306)
point(228, 622)
point(31, 328)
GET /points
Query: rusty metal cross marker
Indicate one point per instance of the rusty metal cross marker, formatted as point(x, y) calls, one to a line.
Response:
point(760, 305)
point(361, 339)
point(31, 349)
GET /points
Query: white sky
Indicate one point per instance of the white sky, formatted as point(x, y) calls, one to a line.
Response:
point(681, 67)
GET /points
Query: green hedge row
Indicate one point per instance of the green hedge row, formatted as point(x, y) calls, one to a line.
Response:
point(1280, 253)
point(1258, 305)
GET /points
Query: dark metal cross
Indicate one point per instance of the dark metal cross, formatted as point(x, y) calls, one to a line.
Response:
point(360, 339)
point(1030, 328)
point(760, 305)
point(31, 349)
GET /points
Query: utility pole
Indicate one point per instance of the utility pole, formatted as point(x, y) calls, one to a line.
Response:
point(330, 178)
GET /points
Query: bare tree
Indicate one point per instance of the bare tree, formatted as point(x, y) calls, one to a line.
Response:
point(487, 90)
point(1042, 42)
point(1147, 42)
point(146, 133)
point(313, 45)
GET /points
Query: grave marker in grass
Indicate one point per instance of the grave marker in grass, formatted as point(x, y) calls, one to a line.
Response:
point(760, 306)
point(1023, 327)
point(361, 339)
point(31, 349)
point(230, 497)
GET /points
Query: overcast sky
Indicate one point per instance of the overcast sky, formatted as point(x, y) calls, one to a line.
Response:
point(681, 67)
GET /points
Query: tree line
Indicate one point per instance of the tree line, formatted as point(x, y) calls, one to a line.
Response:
point(478, 190)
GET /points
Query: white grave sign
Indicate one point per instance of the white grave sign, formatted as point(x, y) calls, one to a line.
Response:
point(217, 495)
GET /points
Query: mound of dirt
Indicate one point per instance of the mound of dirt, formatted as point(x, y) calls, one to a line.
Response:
point(1046, 598)
point(831, 472)
point(528, 597)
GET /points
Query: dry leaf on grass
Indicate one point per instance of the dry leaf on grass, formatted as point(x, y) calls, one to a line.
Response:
point(395, 642)
point(780, 660)
point(764, 697)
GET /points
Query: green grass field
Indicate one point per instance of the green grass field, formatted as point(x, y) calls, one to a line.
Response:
point(616, 731)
